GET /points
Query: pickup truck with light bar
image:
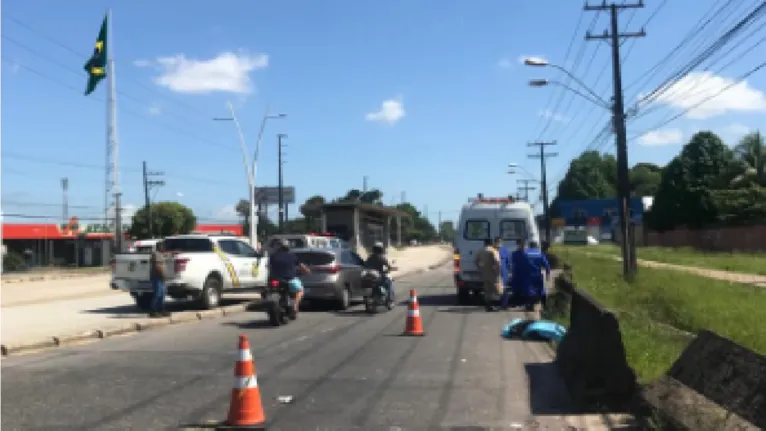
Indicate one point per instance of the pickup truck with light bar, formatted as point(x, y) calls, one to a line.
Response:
point(487, 218)
point(199, 267)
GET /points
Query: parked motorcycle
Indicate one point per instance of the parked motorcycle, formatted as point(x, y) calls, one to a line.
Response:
point(279, 303)
point(375, 293)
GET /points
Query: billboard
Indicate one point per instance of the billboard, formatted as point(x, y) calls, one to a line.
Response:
point(270, 195)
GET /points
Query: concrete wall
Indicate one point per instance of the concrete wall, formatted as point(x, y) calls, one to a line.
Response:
point(733, 238)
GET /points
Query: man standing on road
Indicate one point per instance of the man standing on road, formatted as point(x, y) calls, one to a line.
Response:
point(505, 267)
point(538, 262)
point(488, 262)
point(520, 276)
point(157, 277)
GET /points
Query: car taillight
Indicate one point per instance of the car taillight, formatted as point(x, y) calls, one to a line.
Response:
point(274, 283)
point(179, 265)
point(329, 269)
point(456, 261)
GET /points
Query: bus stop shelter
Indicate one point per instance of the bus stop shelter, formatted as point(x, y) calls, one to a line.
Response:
point(361, 224)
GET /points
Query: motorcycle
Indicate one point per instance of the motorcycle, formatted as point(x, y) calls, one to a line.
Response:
point(375, 293)
point(280, 305)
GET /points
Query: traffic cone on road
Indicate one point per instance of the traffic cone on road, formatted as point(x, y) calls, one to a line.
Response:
point(414, 325)
point(246, 409)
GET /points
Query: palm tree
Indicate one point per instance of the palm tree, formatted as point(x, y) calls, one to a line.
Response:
point(750, 156)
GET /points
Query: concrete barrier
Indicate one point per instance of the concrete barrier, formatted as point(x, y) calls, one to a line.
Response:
point(714, 384)
point(592, 357)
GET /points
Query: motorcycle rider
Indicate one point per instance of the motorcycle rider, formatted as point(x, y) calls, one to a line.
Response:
point(284, 265)
point(379, 262)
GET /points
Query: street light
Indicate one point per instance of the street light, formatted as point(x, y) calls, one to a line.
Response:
point(593, 98)
point(541, 62)
point(522, 168)
point(251, 171)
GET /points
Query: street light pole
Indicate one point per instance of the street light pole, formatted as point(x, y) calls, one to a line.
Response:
point(250, 171)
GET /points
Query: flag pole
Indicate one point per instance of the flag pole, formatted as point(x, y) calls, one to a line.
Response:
point(112, 141)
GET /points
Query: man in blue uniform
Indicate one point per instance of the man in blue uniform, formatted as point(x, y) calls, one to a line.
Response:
point(538, 262)
point(520, 277)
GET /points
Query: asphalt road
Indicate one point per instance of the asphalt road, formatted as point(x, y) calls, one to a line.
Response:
point(344, 371)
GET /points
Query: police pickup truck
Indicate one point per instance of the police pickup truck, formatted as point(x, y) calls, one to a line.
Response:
point(198, 266)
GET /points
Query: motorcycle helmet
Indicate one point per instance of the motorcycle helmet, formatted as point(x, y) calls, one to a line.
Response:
point(283, 244)
point(378, 247)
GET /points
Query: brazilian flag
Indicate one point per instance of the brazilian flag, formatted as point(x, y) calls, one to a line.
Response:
point(96, 66)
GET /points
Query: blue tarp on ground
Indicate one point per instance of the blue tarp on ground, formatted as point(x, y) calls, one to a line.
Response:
point(534, 330)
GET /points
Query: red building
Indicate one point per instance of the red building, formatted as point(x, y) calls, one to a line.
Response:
point(51, 244)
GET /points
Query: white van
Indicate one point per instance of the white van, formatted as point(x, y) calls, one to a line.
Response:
point(488, 218)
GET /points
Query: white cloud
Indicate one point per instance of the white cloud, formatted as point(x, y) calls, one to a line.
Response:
point(657, 138)
point(227, 72)
point(390, 112)
point(142, 63)
point(738, 130)
point(553, 116)
point(155, 109)
point(698, 86)
point(505, 63)
point(227, 212)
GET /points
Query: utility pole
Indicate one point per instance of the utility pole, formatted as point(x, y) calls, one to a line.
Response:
point(526, 188)
point(280, 148)
point(148, 185)
point(118, 222)
point(65, 202)
point(544, 182)
point(629, 263)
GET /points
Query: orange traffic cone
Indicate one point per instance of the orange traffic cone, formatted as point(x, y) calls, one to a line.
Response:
point(414, 323)
point(245, 410)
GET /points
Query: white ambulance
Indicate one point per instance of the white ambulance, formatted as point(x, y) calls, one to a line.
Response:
point(487, 218)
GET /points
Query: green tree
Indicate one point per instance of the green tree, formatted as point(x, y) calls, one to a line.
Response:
point(312, 211)
point(685, 196)
point(645, 179)
point(590, 176)
point(168, 218)
point(414, 226)
point(447, 231)
point(750, 160)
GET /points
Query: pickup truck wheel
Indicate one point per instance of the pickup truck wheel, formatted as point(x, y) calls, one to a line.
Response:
point(144, 301)
point(345, 299)
point(210, 296)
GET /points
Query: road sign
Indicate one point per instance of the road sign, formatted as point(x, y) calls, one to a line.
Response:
point(270, 195)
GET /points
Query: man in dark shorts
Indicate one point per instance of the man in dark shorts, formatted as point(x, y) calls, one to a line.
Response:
point(284, 265)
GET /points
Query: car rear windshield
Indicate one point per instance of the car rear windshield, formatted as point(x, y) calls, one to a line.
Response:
point(145, 249)
point(292, 242)
point(188, 245)
point(511, 229)
point(476, 229)
point(313, 258)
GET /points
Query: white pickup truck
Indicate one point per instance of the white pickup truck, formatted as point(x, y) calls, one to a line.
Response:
point(198, 267)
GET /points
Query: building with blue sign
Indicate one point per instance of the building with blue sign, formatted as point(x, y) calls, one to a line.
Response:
point(601, 216)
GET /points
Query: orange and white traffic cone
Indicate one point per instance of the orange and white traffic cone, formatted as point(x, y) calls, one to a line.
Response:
point(414, 325)
point(246, 409)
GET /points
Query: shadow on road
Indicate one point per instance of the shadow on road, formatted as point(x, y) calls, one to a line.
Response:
point(257, 322)
point(548, 394)
point(128, 310)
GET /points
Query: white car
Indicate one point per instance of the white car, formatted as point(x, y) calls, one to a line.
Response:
point(199, 267)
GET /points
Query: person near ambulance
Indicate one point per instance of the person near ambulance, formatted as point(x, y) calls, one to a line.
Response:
point(505, 263)
point(521, 286)
point(538, 263)
point(488, 262)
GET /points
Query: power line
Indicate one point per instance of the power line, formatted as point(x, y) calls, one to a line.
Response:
point(35, 159)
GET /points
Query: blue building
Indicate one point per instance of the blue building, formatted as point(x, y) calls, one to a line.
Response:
point(599, 212)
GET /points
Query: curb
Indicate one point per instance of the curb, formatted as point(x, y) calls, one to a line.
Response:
point(101, 334)
point(52, 277)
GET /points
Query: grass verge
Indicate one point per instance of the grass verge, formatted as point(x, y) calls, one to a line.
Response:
point(746, 263)
point(661, 310)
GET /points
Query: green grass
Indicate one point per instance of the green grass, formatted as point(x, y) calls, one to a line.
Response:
point(747, 263)
point(659, 309)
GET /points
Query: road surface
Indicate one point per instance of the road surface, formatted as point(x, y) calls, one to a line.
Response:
point(344, 371)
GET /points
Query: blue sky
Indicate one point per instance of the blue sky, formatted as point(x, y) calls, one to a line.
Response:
point(424, 97)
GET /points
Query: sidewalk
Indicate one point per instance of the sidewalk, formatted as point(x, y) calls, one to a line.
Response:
point(44, 274)
point(32, 311)
point(716, 274)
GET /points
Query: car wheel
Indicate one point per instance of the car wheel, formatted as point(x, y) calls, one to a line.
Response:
point(463, 297)
point(210, 297)
point(345, 299)
point(144, 301)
